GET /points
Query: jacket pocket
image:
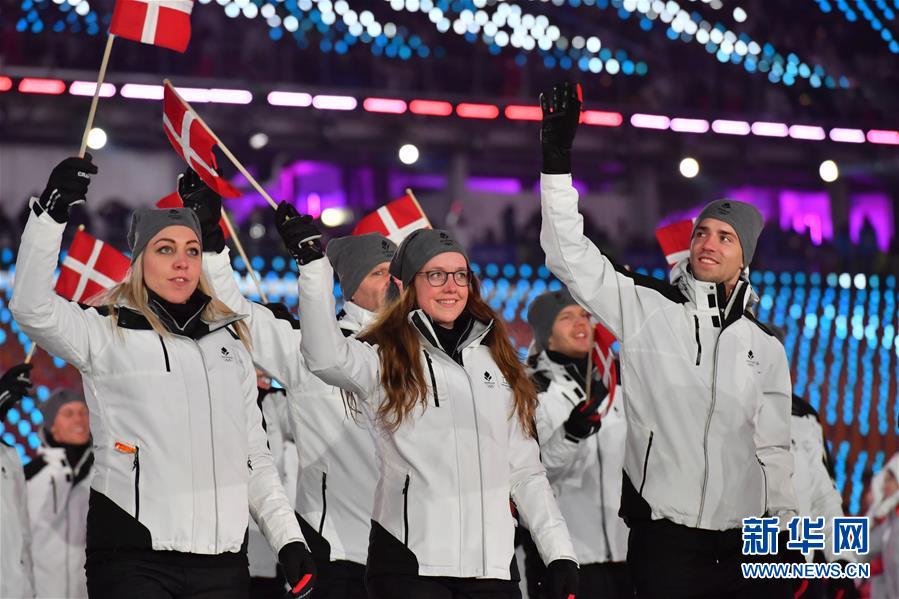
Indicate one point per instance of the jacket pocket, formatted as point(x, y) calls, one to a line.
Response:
point(135, 468)
point(433, 378)
point(406, 511)
point(765, 480)
point(321, 524)
point(646, 461)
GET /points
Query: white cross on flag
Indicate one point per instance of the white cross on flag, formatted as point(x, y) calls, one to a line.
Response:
point(604, 359)
point(395, 220)
point(675, 240)
point(163, 23)
point(90, 268)
point(193, 141)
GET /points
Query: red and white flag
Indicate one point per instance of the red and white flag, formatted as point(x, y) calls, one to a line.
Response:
point(163, 23)
point(604, 360)
point(193, 141)
point(675, 240)
point(395, 220)
point(90, 268)
point(173, 200)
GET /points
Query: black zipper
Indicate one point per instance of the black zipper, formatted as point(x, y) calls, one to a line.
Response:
point(136, 468)
point(53, 484)
point(321, 524)
point(646, 461)
point(165, 353)
point(765, 476)
point(698, 342)
point(406, 512)
point(433, 378)
point(602, 503)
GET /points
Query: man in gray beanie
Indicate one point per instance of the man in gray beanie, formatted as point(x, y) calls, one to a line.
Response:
point(709, 390)
point(58, 485)
point(361, 263)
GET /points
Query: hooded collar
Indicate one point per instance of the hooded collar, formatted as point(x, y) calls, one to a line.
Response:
point(476, 332)
point(710, 299)
point(355, 318)
point(567, 377)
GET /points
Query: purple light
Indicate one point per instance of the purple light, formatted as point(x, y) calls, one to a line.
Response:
point(139, 91)
point(880, 136)
point(398, 182)
point(196, 95)
point(230, 96)
point(725, 127)
point(851, 136)
point(766, 129)
point(650, 121)
point(296, 99)
point(87, 88)
point(807, 132)
point(877, 209)
point(499, 185)
point(324, 102)
point(689, 125)
point(806, 212)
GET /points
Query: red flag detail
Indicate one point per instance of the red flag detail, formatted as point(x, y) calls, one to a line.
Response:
point(90, 268)
point(173, 200)
point(604, 360)
point(675, 240)
point(163, 23)
point(193, 141)
point(395, 220)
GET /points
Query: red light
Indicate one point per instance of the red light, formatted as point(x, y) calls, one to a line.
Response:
point(384, 105)
point(601, 118)
point(52, 87)
point(430, 107)
point(477, 111)
point(881, 136)
point(5, 84)
point(523, 113)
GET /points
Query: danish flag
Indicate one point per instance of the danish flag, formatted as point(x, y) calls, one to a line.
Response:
point(90, 268)
point(193, 141)
point(604, 359)
point(395, 220)
point(163, 23)
point(675, 240)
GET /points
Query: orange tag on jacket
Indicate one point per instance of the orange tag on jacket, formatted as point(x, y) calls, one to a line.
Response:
point(125, 448)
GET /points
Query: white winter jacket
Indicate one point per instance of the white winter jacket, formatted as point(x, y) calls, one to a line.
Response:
point(585, 475)
point(445, 475)
point(16, 571)
point(178, 442)
point(338, 473)
point(709, 390)
point(58, 494)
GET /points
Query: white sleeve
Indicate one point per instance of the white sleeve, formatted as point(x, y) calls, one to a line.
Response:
point(534, 498)
point(612, 297)
point(276, 344)
point(826, 500)
point(341, 361)
point(557, 452)
point(59, 326)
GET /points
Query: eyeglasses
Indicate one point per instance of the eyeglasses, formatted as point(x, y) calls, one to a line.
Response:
point(438, 278)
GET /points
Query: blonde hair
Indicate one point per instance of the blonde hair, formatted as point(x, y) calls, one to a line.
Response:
point(402, 375)
point(132, 292)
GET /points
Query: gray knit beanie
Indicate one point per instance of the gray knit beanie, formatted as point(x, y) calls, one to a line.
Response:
point(543, 312)
point(147, 222)
point(745, 218)
point(59, 398)
point(419, 247)
point(354, 256)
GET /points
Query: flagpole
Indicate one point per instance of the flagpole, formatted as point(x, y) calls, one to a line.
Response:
point(417, 205)
point(233, 232)
point(93, 111)
point(229, 155)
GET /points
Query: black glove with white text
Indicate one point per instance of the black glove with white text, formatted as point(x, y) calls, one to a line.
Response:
point(66, 187)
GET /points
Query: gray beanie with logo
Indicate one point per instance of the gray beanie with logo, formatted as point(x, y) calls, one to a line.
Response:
point(147, 222)
point(419, 247)
point(543, 312)
point(745, 218)
point(59, 398)
point(354, 256)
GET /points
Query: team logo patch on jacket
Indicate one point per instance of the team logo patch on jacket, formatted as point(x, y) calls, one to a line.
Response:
point(488, 380)
point(226, 355)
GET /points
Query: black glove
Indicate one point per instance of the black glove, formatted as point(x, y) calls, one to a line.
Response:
point(561, 113)
point(561, 579)
point(14, 384)
point(66, 187)
point(207, 205)
point(301, 237)
point(299, 569)
point(585, 419)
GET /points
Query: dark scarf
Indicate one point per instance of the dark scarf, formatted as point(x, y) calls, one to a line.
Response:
point(449, 339)
point(181, 319)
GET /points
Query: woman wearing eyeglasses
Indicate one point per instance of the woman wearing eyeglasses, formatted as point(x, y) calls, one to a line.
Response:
point(451, 409)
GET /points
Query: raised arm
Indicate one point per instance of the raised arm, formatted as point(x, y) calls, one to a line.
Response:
point(59, 326)
point(341, 361)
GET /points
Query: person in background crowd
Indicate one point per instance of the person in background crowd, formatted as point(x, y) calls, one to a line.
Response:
point(16, 569)
point(708, 406)
point(337, 468)
point(451, 409)
point(583, 456)
point(58, 492)
point(884, 515)
point(179, 449)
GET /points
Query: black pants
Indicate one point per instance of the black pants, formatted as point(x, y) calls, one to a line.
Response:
point(434, 587)
point(670, 561)
point(605, 581)
point(340, 580)
point(166, 575)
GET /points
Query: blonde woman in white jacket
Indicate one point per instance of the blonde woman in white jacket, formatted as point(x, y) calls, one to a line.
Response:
point(451, 409)
point(179, 448)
